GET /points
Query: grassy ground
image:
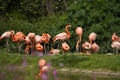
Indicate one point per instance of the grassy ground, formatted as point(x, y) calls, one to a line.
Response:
point(26, 65)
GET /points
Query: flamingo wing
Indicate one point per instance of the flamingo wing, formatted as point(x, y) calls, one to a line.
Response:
point(60, 36)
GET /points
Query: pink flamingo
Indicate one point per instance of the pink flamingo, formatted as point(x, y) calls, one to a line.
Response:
point(86, 46)
point(79, 32)
point(65, 47)
point(62, 36)
point(115, 42)
point(54, 51)
point(46, 39)
point(6, 35)
point(31, 36)
point(18, 38)
point(92, 37)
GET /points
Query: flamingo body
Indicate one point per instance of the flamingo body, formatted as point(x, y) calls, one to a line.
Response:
point(19, 37)
point(95, 47)
point(54, 51)
point(7, 34)
point(62, 36)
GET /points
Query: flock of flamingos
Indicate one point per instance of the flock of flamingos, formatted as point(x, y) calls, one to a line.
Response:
point(34, 42)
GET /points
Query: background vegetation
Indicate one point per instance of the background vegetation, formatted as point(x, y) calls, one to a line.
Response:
point(51, 16)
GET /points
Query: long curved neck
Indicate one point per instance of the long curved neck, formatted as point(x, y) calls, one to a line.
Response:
point(68, 33)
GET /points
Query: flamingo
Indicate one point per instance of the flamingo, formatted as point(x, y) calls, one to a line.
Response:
point(54, 51)
point(31, 36)
point(19, 37)
point(62, 36)
point(115, 42)
point(39, 47)
point(65, 47)
point(6, 35)
point(86, 46)
point(95, 47)
point(92, 37)
point(27, 49)
point(79, 32)
point(116, 45)
point(46, 39)
point(115, 37)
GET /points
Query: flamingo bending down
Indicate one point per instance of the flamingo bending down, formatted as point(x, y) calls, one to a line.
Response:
point(62, 36)
point(46, 39)
point(86, 46)
point(65, 47)
point(92, 37)
point(7, 35)
point(79, 32)
point(18, 37)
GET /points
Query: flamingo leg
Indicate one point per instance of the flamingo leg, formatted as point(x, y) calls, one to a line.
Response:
point(7, 44)
point(44, 48)
point(117, 51)
point(19, 48)
point(80, 47)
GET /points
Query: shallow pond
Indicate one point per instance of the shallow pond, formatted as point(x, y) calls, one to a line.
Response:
point(12, 73)
point(84, 76)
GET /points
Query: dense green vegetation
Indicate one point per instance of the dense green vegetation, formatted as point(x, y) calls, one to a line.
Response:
point(51, 16)
point(25, 67)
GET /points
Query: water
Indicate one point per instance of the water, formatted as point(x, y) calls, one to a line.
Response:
point(84, 76)
point(16, 73)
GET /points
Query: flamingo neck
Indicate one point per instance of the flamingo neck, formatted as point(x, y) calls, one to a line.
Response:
point(68, 33)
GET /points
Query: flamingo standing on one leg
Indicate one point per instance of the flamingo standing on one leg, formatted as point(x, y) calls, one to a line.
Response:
point(65, 47)
point(19, 37)
point(79, 32)
point(7, 35)
point(46, 40)
point(62, 36)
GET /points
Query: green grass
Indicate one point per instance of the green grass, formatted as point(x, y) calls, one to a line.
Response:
point(11, 63)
